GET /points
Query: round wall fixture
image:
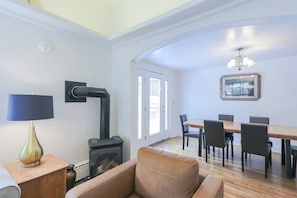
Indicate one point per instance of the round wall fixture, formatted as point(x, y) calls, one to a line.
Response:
point(44, 46)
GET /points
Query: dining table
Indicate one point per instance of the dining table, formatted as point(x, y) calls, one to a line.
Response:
point(285, 133)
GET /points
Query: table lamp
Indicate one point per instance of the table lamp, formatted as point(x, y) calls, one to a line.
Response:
point(30, 107)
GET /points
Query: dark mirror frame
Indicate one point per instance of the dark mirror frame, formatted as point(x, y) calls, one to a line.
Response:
point(241, 86)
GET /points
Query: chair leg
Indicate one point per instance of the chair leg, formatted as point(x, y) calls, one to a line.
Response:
point(224, 156)
point(183, 142)
point(245, 154)
point(242, 162)
point(204, 144)
point(227, 151)
point(187, 141)
point(266, 165)
point(213, 149)
point(232, 148)
point(294, 167)
point(206, 153)
point(270, 158)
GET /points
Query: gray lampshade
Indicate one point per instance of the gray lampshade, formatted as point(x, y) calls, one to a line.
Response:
point(29, 107)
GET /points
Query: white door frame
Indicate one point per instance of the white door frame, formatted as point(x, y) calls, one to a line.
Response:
point(143, 135)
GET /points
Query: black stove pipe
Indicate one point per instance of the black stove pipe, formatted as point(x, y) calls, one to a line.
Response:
point(82, 92)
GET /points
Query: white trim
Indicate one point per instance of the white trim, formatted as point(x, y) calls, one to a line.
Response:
point(172, 20)
point(258, 21)
point(183, 15)
point(33, 15)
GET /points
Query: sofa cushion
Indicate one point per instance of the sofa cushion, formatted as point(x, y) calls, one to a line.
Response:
point(163, 174)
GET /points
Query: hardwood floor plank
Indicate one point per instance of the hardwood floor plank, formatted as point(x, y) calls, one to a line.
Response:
point(251, 182)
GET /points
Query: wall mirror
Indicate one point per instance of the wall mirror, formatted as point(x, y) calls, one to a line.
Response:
point(240, 86)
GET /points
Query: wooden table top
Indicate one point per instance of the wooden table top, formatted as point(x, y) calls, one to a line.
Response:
point(275, 131)
point(49, 163)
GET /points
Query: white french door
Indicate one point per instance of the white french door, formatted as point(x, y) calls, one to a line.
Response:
point(152, 107)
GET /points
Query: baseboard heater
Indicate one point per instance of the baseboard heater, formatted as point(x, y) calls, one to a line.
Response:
point(82, 170)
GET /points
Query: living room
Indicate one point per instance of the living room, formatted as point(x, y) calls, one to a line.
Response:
point(78, 54)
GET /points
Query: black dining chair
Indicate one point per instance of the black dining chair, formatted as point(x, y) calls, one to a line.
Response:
point(261, 120)
point(294, 154)
point(229, 136)
point(186, 132)
point(215, 136)
point(254, 140)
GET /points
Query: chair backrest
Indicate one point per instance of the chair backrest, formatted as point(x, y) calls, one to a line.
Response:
point(214, 133)
point(226, 117)
point(254, 139)
point(160, 173)
point(184, 118)
point(259, 120)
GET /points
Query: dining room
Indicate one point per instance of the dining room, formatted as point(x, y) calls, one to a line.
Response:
point(203, 99)
point(201, 91)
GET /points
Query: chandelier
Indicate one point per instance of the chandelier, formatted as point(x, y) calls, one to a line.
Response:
point(240, 61)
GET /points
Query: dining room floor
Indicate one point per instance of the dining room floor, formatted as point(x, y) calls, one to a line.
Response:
point(250, 183)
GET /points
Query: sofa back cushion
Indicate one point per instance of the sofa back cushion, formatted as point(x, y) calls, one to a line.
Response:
point(162, 174)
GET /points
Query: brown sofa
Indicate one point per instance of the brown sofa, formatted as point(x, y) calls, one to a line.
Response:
point(155, 174)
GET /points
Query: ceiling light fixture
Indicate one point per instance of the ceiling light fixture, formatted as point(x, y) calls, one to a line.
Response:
point(240, 61)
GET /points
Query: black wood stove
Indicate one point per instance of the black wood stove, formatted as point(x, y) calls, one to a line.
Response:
point(104, 152)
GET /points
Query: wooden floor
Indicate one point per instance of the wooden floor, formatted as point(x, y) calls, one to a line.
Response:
point(251, 183)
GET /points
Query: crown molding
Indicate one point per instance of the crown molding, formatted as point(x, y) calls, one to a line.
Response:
point(28, 13)
point(186, 14)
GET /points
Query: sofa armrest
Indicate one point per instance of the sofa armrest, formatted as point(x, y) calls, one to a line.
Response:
point(8, 187)
point(115, 183)
point(211, 187)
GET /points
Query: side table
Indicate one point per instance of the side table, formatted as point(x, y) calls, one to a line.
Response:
point(47, 180)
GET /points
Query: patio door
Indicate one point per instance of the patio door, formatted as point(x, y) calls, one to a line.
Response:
point(152, 107)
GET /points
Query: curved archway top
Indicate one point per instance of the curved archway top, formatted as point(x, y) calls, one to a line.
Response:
point(214, 45)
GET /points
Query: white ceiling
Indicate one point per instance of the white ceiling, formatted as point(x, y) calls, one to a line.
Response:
point(217, 47)
point(274, 38)
point(112, 3)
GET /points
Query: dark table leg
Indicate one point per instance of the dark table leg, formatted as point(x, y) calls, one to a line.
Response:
point(283, 152)
point(200, 143)
point(288, 159)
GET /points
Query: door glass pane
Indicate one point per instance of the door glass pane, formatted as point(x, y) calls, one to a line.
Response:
point(154, 106)
point(139, 107)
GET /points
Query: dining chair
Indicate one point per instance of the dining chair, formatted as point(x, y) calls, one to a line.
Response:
point(186, 132)
point(260, 120)
point(215, 136)
point(294, 154)
point(254, 140)
point(229, 136)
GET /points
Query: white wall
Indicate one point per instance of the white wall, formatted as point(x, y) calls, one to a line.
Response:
point(23, 68)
